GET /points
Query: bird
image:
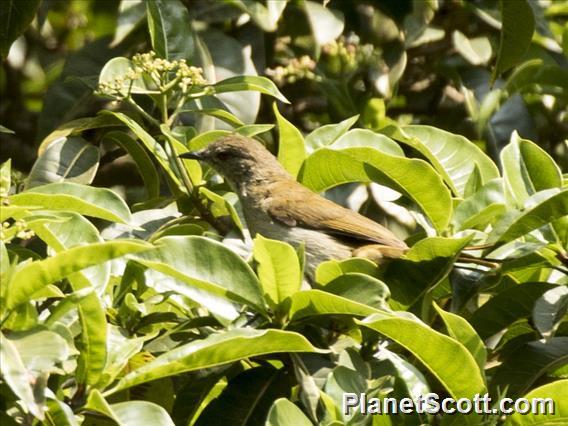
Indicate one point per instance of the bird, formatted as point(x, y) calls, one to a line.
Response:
point(278, 207)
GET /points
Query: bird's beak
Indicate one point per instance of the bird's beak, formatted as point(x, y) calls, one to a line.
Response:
point(193, 155)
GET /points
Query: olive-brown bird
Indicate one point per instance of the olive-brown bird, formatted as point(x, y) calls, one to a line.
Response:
point(278, 207)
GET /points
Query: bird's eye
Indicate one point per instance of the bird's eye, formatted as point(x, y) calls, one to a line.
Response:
point(223, 156)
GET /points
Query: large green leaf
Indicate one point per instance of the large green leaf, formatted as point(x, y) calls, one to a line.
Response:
point(33, 276)
point(326, 24)
point(249, 82)
point(367, 138)
point(329, 133)
point(482, 208)
point(116, 69)
point(18, 378)
point(360, 288)
point(447, 359)
point(143, 161)
point(129, 413)
point(247, 397)
point(555, 391)
point(507, 307)
point(130, 15)
point(291, 149)
point(463, 332)
point(202, 264)
point(286, 413)
point(278, 269)
point(61, 236)
point(311, 303)
point(170, 29)
point(157, 151)
point(426, 264)
point(550, 309)
point(86, 200)
point(453, 156)
point(68, 159)
point(75, 127)
point(327, 168)
point(266, 17)
point(15, 18)
point(216, 349)
point(541, 209)
point(527, 363)
point(527, 169)
point(515, 38)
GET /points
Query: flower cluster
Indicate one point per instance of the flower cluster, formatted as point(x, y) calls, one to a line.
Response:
point(345, 55)
point(295, 69)
point(17, 229)
point(155, 74)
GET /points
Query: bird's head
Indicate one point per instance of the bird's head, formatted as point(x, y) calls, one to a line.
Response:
point(241, 160)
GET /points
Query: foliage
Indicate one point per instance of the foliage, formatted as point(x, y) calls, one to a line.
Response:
point(140, 296)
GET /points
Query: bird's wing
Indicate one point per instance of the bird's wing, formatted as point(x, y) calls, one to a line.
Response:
point(294, 205)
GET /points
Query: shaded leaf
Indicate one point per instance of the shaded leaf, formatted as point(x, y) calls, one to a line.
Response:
point(217, 349)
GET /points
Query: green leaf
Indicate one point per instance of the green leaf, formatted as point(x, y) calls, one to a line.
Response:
point(555, 391)
point(33, 276)
point(425, 265)
point(459, 329)
point(191, 168)
point(75, 127)
point(326, 168)
point(4, 129)
point(219, 113)
point(170, 29)
point(130, 413)
point(331, 269)
point(71, 233)
point(5, 177)
point(453, 156)
point(291, 148)
point(142, 160)
point(217, 349)
point(117, 68)
point(68, 159)
point(482, 208)
point(528, 363)
point(247, 397)
point(329, 133)
point(448, 360)
point(477, 51)
point(286, 413)
point(507, 307)
point(367, 138)
point(158, 153)
point(360, 288)
point(135, 413)
point(541, 209)
point(515, 39)
point(326, 24)
point(309, 303)
point(86, 200)
point(203, 265)
point(278, 269)
point(550, 309)
point(249, 82)
point(266, 17)
point(17, 377)
point(130, 15)
point(40, 350)
point(527, 169)
point(15, 18)
point(219, 206)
